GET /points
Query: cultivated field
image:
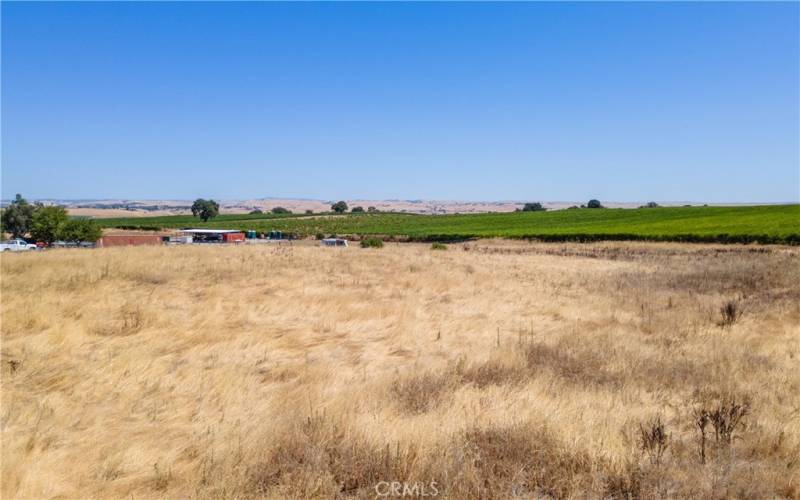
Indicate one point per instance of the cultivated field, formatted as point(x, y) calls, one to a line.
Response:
point(764, 224)
point(491, 369)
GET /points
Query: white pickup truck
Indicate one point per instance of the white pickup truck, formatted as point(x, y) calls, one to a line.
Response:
point(17, 245)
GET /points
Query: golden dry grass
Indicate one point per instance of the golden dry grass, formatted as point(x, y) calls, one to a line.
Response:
point(494, 369)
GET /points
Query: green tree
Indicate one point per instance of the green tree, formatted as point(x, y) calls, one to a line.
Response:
point(372, 209)
point(281, 210)
point(357, 209)
point(205, 209)
point(48, 223)
point(80, 230)
point(594, 204)
point(533, 207)
point(256, 211)
point(339, 207)
point(17, 216)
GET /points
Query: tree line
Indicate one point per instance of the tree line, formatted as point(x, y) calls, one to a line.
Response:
point(538, 207)
point(46, 223)
point(208, 209)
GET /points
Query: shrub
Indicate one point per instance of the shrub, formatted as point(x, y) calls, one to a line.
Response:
point(257, 211)
point(725, 415)
point(356, 210)
point(320, 236)
point(533, 207)
point(730, 313)
point(653, 440)
point(594, 204)
point(339, 207)
point(371, 243)
point(281, 210)
point(438, 246)
point(309, 212)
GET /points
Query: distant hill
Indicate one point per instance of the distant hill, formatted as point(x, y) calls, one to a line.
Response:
point(102, 208)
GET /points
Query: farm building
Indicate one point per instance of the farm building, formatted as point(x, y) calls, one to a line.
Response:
point(120, 240)
point(214, 235)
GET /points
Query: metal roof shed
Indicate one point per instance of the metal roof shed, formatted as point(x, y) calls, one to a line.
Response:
point(209, 231)
point(214, 235)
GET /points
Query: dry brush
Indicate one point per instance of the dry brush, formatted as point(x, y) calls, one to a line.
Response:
point(492, 370)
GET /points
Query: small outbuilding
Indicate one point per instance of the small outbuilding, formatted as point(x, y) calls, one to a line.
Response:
point(121, 240)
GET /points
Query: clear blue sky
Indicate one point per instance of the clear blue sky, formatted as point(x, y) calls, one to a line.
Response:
point(470, 101)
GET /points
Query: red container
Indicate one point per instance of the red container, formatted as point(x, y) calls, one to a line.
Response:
point(233, 237)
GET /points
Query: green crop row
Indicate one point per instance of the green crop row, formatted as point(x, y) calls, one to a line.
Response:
point(761, 224)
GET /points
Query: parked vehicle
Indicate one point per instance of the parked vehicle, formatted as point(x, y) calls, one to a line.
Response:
point(17, 245)
point(73, 244)
point(333, 242)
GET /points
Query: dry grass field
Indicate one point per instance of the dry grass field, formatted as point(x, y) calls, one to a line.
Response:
point(487, 370)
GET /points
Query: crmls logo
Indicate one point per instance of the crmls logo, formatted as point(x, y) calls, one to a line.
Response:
point(398, 489)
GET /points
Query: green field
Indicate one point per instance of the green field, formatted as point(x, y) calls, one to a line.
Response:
point(763, 224)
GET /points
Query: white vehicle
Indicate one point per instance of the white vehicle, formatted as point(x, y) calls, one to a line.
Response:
point(333, 242)
point(16, 245)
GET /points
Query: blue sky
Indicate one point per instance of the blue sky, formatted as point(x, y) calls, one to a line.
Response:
point(468, 101)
